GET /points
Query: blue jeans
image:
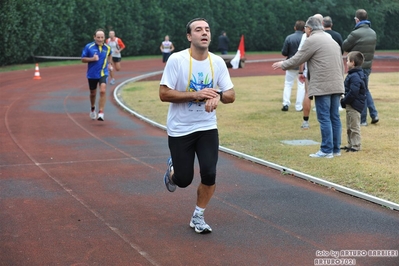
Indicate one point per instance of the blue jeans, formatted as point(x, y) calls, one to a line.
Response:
point(369, 103)
point(327, 109)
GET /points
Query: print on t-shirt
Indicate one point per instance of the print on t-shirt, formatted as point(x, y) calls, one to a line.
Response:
point(197, 84)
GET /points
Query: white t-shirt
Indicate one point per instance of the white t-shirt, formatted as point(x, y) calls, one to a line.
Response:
point(189, 117)
point(166, 46)
point(114, 46)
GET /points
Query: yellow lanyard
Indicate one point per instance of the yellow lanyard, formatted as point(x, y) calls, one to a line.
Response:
point(191, 70)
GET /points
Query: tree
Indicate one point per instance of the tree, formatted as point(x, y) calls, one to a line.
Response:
point(64, 27)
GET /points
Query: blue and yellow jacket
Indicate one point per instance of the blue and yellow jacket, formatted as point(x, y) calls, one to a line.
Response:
point(97, 69)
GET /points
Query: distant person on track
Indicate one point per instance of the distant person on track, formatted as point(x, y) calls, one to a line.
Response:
point(354, 99)
point(290, 47)
point(326, 83)
point(195, 81)
point(166, 48)
point(223, 43)
point(117, 46)
point(364, 40)
point(97, 54)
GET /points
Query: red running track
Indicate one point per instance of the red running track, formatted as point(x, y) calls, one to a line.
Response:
point(79, 192)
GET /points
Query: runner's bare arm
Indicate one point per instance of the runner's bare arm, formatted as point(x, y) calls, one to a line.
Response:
point(229, 96)
point(168, 95)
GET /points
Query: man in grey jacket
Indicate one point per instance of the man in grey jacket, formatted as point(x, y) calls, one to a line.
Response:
point(364, 39)
point(326, 83)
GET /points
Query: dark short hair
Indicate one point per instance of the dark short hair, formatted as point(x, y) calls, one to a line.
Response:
point(361, 14)
point(188, 26)
point(300, 25)
point(356, 57)
point(327, 22)
point(97, 30)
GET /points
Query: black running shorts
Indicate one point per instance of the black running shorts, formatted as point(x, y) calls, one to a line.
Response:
point(204, 144)
point(94, 82)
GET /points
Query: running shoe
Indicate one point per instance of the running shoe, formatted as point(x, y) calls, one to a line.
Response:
point(93, 114)
point(112, 82)
point(200, 226)
point(321, 154)
point(100, 117)
point(305, 125)
point(170, 186)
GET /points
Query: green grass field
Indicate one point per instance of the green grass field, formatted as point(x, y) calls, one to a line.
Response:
point(256, 126)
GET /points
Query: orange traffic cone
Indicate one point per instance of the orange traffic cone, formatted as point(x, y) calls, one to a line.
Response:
point(37, 73)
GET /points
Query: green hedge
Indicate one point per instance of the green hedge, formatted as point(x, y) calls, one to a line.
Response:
point(63, 27)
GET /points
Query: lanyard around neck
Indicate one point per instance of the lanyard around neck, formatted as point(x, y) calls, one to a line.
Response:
point(191, 70)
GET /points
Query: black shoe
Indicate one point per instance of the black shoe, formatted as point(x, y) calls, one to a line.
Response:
point(285, 108)
point(375, 120)
point(345, 148)
point(351, 150)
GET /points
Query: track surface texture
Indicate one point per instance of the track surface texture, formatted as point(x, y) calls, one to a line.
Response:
point(79, 192)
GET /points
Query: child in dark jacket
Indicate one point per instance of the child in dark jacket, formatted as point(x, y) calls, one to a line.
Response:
point(354, 99)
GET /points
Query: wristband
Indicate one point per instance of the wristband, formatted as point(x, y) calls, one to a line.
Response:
point(300, 72)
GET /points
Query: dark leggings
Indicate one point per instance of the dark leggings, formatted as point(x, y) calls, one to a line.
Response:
point(183, 149)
